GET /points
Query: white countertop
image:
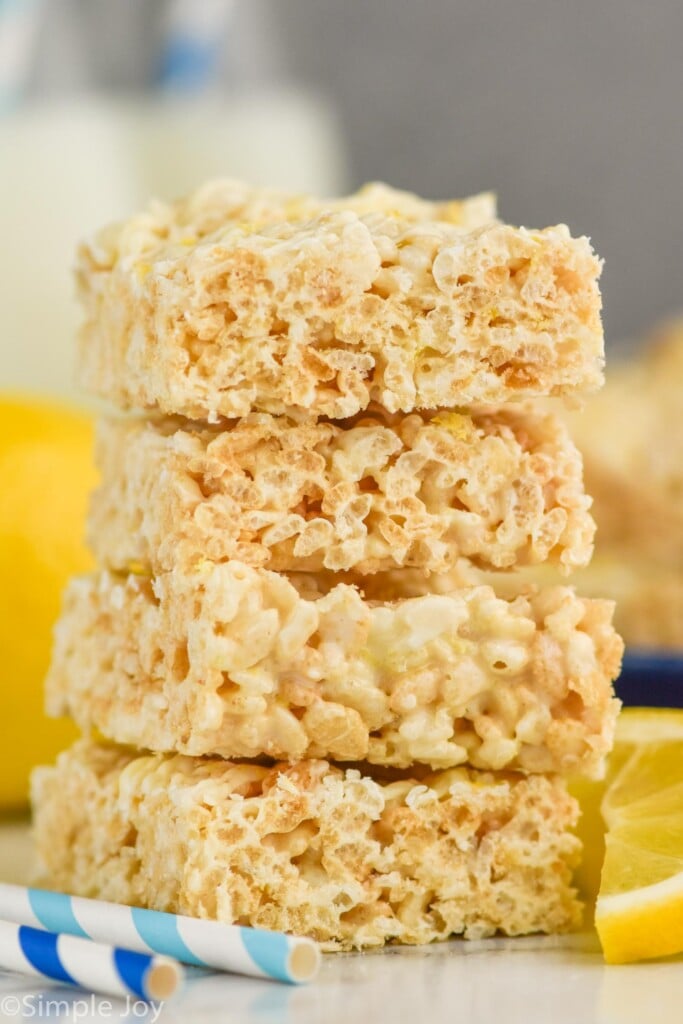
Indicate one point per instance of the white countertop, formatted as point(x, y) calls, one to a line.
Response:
point(536, 980)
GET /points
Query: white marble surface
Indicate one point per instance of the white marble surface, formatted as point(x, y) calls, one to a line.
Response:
point(499, 981)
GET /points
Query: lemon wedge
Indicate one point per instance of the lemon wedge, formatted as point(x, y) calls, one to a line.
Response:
point(636, 726)
point(639, 910)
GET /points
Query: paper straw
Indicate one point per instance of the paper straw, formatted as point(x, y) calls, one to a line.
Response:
point(19, 20)
point(74, 961)
point(226, 947)
point(195, 31)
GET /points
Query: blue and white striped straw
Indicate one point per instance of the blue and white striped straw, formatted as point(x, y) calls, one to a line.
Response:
point(19, 20)
point(226, 947)
point(195, 32)
point(74, 961)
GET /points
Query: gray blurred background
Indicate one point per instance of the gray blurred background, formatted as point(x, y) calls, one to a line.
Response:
point(572, 110)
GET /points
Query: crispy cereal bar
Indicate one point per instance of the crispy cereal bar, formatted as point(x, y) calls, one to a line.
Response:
point(347, 857)
point(243, 662)
point(502, 488)
point(238, 299)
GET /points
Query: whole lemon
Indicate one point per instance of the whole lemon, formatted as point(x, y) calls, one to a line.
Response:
point(46, 473)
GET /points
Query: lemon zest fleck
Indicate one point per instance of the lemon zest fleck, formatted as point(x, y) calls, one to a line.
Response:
point(455, 423)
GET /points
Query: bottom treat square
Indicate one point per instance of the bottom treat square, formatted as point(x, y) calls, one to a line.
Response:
point(354, 857)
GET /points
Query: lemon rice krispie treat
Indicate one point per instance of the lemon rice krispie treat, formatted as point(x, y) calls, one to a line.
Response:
point(243, 662)
point(347, 858)
point(500, 487)
point(633, 443)
point(648, 596)
point(235, 300)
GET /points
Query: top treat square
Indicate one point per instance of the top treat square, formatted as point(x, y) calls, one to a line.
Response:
point(239, 299)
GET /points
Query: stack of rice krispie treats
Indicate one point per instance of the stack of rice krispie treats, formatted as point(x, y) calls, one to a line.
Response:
point(301, 712)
